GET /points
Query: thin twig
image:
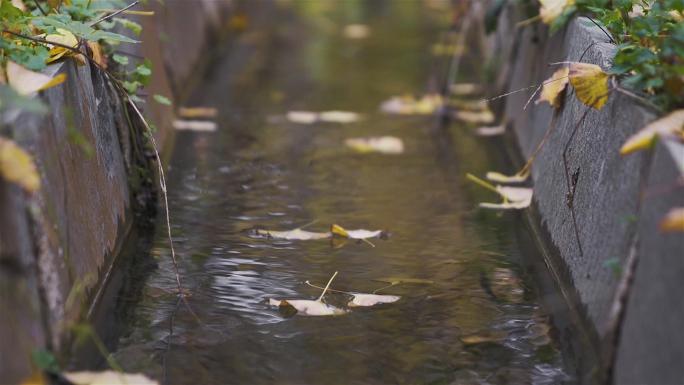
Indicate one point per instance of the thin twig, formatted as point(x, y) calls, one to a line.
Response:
point(322, 288)
point(327, 286)
point(131, 5)
point(385, 287)
point(40, 8)
point(602, 29)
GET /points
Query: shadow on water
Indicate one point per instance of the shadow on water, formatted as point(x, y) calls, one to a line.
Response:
point(480, 321)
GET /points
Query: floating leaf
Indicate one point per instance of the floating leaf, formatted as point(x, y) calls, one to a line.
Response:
point(513, 197)
point(26, 82)
point(296, 234)
point(197, 112)
point(382, 144)
point(408, 105)
point(551, 9)
point(194, 125)
point(672, 124)
point(356, 31)
point(591, 84)
point(553, 87)
point(338, 116)
point(505, 285)
point(501, 178)
point(108, 377)
point(307, 307)
point(471, 105)
point(474, 339)
point(465, 88)
point(673, 221)
point(362, 299)
point(354, 234)
point(490, 130)
point(302, 117)
point(476, 117)
point(398, 280)
point(17, 166)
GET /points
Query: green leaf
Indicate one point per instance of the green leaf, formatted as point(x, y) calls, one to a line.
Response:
point(130, 25)
point(162, 99)
point(121, 59)
point(45, 360)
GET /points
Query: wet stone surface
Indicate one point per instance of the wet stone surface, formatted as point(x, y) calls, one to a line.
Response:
point(472, 315)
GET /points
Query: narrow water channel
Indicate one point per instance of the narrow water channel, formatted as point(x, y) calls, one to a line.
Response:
point(477, 320)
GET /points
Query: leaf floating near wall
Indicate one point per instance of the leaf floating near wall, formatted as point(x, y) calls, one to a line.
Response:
point(355, 234)
point(17, 166)
point(591, 84)
point(365, 300)
point(673, 221)
point(553, 87)
point(513, 197)
point(501, 178)
point(307, 307)
point(295, 234)
point(108, 377)
point(26, 82)
point(671, 125)
point(490, 130)
point(381, 144)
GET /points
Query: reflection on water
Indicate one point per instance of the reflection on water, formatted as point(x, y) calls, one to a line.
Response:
point(478, 322)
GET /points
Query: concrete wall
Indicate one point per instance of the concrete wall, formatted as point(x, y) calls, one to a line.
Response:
point(60, 243)
point(634, 327)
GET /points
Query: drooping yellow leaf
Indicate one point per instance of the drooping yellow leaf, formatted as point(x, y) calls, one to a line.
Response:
point(673, 221)
point(551, 9)
point(17, 166)
point(363, 299)
point(97, 54)
point(382, 144)
point(62, 37)
point(25, 81)
point(296, 234)
point(553, 87)
point(36, 378)
point(108, 377)
point(672, 124)
point(591, 84)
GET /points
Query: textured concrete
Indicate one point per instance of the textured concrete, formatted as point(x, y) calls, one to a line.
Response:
point(612, 212)
point(57, 245)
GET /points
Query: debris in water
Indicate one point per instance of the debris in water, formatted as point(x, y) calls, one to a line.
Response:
point(194, 125)
point(381, 144)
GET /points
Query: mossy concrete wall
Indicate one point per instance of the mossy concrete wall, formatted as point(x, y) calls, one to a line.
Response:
point(58, 245)
point(619, 273)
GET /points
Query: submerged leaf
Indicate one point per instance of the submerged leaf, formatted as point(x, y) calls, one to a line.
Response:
point(363, 299)
point(296, 234)
point(673, 221)
point(307, 307)
point(381, 144)
point(672, 124)
point(17, 166)
point(591, 84)
point(109, 377)
point(26, 82)
point(553, 87)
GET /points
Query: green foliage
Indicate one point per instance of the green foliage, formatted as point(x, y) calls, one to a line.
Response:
point(45, 361)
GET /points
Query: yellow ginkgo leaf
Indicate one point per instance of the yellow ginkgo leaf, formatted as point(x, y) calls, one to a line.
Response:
point(591, 84)
point(551, 9)
point(553, 87)
point(339, 231)
point(672, 124)
point(25, 81)
point(673, 221)
point(17, 166)
point(62, 37)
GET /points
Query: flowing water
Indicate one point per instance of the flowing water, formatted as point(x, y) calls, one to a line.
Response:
point(474, 316)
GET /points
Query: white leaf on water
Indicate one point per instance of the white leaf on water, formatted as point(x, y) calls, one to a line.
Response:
point(108, 377)
point(296, 234)
point(194, 125)
point(308, 307)
point(310, 117)
point(363, 299)
point(381, 144)
point(490, 130)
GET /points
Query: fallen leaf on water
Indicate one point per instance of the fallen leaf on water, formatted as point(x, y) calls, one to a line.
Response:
point(513, 197)
point(17, 166)
point(382, 144)
point(591, 84)
point(25, 81)
point(408, 105)
point(355, 234)
point(477, 117)
point(63, 37)
point(551, 9)
point(296, 234)
point(673, 221)
point(464, 88)
point(108, 377)
point(398, 280)
point(670, 125)
point(506, 285)
point(307, 307)
point(197, 112)
point(356, 31)
point(309, 117)
point(480, 338)
point(553, 87)
point(363, 299)
point(194, 125)
point(501, 178)
point(490, 130)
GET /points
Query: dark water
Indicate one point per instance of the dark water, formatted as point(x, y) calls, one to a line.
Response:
point(478, 322)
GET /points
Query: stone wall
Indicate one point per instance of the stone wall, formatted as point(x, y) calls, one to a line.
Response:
point(57, 247)
point(632, 317)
